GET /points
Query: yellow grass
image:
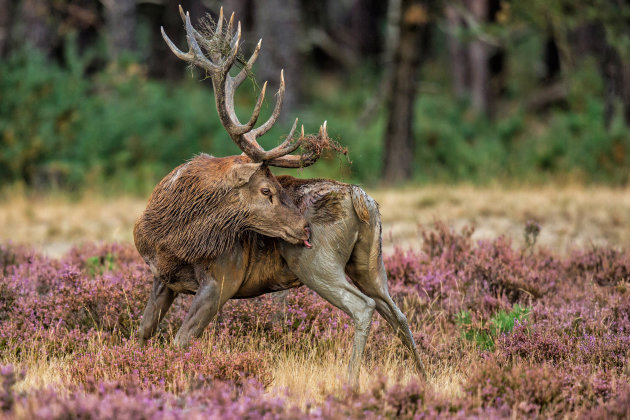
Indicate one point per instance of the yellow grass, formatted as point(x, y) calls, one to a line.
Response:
point(571, 217)
point(301, 377)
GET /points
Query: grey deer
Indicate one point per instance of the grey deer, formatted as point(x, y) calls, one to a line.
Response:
point(227, 228)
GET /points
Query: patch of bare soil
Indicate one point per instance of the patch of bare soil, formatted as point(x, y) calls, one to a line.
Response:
point(574, 217)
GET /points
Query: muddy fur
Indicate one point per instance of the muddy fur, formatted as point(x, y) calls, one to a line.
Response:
point(318, 199)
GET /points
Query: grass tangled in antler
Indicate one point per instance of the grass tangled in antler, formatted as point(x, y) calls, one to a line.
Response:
point(314, 144)
point(221, 44)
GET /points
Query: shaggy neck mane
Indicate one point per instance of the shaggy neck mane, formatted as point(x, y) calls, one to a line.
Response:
point(192, 219)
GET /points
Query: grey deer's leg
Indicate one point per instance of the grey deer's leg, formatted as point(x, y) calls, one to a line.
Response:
point(326, 277)
point(159, 302)
point(373, 282)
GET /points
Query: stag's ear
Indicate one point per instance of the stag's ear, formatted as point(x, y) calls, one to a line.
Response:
point(242, 172)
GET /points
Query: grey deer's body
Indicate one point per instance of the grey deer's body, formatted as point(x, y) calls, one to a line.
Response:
point(343, 233)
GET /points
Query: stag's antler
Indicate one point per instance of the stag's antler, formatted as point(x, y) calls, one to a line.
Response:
point(218, 65)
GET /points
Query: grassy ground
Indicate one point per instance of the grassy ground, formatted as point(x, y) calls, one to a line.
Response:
point(309, 362)
point(571, 218)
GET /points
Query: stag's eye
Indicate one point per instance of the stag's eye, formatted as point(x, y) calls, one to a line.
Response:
point(265, 191)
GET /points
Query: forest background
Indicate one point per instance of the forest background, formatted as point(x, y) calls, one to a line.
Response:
point(476, 91)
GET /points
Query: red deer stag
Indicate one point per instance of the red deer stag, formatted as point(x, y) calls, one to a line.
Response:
point(226, 228)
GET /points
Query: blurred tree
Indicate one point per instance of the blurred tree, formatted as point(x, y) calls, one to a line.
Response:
point(594, 39)
point(120, 20)
point(598, 29)
point(6, 20)
point(392, 34)
point(399, 142)
point(35, 17)
point(458, 53)
point(277, 23)
point(476, 57)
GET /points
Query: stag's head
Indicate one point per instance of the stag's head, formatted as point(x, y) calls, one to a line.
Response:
point(270, 211)
point(265, 206)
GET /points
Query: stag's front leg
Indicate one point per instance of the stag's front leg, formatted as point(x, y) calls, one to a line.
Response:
point(203, 308)
point(159, 302)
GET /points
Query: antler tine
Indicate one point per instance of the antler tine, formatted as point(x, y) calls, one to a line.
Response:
point(230, 26)
point(240, 77)
point(194, 46)
point(306, 159)
point(219, 28)
point(178, 53)
point(236, 36)
point(229, 60)
point(194, 54)
point(287, 146)
point(252, 121)
point(276, 110)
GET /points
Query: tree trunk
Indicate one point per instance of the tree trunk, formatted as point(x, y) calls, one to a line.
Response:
point(392, 35)
point(552, 60)
point(36, 28)
point(616, 83)
point(399, 143)
point(479, 55)
point(120, 20)
point(6, 15)
point(614, 70)
point(458, 54)
point(477, 65)
point(276, 22)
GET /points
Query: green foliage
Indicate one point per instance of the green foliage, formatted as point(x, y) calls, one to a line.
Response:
point(63, 126)
point(483, 333)
point(97, 265)
point(456, 145)
point(59, 127)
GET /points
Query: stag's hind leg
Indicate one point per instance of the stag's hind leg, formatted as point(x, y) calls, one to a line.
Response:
point(329, 281)
point(373, 282)
point(159, 302)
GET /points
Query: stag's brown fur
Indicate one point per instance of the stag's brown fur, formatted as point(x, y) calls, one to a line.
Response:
point(196, 214)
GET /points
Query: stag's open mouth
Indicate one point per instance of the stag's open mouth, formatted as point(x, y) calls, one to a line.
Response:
point(289, 237)
point(307, 244)
point(296, 240)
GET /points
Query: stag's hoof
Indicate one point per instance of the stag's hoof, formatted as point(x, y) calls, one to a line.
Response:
point(181, 341)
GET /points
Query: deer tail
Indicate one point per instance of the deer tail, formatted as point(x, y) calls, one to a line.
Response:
point(366, 209)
